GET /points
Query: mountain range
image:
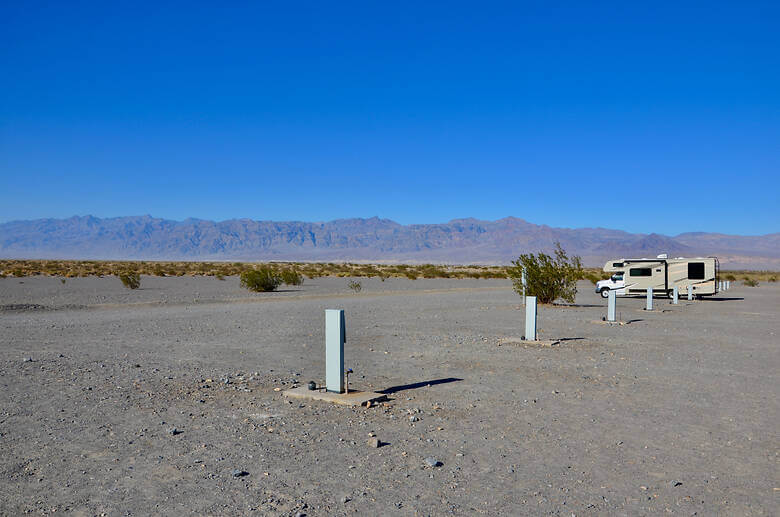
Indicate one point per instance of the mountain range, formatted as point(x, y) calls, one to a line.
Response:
point(461, 241)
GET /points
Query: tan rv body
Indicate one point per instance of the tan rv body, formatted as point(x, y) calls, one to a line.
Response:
point(663, 274)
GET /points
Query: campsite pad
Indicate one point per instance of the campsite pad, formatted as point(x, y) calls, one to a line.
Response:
point(353, 398)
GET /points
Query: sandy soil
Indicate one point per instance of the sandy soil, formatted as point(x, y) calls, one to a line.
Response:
point(164, 400)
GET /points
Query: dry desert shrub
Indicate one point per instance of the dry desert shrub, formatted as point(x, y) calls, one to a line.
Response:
point(263, 279)
point(130, 279)
point(291, 277)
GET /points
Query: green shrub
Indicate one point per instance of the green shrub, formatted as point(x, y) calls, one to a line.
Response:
point(750, 282)
point(130, 279)
point(547, 277)
point(731, 278)
point(410, 275)
point(292, 277)
point(355, 285)
point(263, 279)
point(772, 279)
point(220, 276)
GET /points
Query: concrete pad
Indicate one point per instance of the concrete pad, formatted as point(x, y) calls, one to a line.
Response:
point(527, 342)
point(353, 398)
point(611, 323)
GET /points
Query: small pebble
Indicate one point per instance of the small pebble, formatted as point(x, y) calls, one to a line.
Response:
point(432, 462)
point(237, 473)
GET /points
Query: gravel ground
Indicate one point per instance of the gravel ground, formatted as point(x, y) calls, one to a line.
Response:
point(167, 400)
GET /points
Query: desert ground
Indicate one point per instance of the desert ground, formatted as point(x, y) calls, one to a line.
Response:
point(168, 400)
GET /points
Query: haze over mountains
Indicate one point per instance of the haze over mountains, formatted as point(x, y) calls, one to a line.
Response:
point(459, 241)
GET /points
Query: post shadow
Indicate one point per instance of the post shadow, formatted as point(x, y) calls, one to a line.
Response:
point(414, 386)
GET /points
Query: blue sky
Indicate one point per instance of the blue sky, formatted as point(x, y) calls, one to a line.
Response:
point(647, 117)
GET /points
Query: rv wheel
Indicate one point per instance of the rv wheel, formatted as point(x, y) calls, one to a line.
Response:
point(605, 292)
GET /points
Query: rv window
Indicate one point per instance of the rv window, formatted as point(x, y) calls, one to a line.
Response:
point(617, 264)
point(617, 277)
point(696, 270)
point(640, 271)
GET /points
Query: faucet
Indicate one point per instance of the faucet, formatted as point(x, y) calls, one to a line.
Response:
point(349, 370)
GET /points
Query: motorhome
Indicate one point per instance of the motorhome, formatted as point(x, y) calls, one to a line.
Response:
point(636, 276)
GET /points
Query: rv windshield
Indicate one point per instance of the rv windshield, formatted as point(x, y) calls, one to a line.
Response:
point(617, 277)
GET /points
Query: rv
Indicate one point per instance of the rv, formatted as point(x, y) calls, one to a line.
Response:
point(636, 276)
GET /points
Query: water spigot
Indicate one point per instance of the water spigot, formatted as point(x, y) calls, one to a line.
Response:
point(349, 370)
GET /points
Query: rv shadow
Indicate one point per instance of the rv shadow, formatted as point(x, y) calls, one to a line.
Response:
point(415, 385)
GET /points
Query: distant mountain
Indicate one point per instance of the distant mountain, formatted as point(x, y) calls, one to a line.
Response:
point(376, 240)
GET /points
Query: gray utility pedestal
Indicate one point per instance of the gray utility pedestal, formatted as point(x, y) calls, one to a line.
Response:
point(530, 318)
point(611, 303)
point(649, 306)
point(335, 337)
point(675, 295)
